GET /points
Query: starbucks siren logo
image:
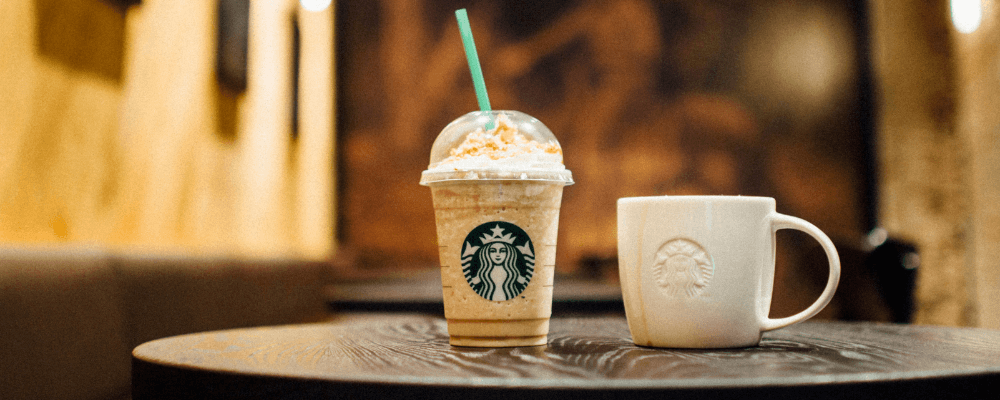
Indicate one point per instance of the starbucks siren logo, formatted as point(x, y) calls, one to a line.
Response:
point(683, 268)
point(498, 260)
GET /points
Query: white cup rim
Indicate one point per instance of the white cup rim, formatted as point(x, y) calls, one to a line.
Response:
point(695, 198)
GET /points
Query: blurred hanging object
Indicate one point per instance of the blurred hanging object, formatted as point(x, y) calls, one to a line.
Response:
point(124, 4)
point(966, 15)
point(57, 36)
point(231, 54)
point(893, 263)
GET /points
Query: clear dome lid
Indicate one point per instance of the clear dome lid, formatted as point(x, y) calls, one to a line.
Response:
point(496, 145)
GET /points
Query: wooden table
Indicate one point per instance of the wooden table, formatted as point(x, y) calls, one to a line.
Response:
point(408, 356)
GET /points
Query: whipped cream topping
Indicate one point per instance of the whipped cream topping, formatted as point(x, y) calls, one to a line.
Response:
point(501, 148)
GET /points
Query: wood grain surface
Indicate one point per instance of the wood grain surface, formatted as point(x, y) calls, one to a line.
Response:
point(409, 356)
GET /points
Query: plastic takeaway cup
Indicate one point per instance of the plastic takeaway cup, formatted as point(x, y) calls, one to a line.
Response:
point(497, 194)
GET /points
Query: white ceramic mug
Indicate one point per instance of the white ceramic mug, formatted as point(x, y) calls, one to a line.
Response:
point(697, 271)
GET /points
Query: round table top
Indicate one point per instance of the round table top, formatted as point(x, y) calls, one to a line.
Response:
point(409, 355)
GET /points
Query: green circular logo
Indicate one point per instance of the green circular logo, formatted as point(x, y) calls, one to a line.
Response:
point(498, 260)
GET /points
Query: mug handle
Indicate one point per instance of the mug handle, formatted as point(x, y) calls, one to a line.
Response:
point(782, 221)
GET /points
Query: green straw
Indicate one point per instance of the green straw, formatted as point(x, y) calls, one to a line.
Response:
point(473, 58)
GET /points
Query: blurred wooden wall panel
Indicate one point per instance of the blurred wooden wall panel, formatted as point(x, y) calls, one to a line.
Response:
point(978, 75)
point(939, 89)
point(923, 159)
point(57, 124)
point(263, 138)
point(164, 159)
point(314, 166)
point(172, 189)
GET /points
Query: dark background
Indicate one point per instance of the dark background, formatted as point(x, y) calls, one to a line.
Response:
point(647, 97)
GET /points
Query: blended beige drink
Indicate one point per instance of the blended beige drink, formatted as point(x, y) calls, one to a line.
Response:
point(497, 180)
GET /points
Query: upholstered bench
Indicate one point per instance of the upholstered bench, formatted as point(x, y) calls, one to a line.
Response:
point(69, 317)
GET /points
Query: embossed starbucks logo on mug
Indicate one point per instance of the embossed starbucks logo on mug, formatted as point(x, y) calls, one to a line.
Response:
point(498, 260)
point(682, 268)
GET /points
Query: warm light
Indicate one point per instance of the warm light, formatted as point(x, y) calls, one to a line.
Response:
point(966, 14)
point(798, 57)
point(315, 5)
